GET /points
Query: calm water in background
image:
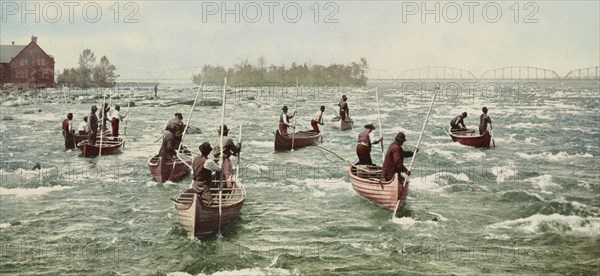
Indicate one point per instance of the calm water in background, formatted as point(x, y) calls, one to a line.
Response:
point(531, 205)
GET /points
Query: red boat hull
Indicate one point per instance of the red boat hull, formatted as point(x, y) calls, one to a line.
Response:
point(471, 138)
point(165, 171)
point(109, 146)
point(301, 139)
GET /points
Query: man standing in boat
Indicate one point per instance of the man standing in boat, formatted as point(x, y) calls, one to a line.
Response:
point(344, 110)
point(172, 138)
point(284, 121)
point(365, 140)
point(203, 168)
point(93, 125)
point(176, 127)
point(317, 119)
point(484, 119)
point(458, 123)
point(394, 163)
point(67, 131)
point(229, 149)
point(116, 118)
point(104, 117)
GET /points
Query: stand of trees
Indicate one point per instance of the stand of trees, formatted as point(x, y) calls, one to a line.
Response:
point(244, 72)
point(89, 74)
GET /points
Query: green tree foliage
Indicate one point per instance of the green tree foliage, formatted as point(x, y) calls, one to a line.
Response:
point(260, 74)
point(88, 74)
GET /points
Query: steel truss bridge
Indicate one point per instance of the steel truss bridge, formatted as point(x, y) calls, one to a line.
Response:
point(433, 73)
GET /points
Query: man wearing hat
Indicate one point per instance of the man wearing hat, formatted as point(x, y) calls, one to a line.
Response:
point(484, 119)
point(116, 118)
point(229, 149)
point(344, 110)
point(93, 125)
point(366, 138)
point(394, 163)
point(284, 121)
point(458, 124)
point(203, 168)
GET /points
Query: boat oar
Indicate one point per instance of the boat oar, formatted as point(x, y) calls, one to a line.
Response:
point(295, 109)
point(380, 130)
point(126, 116)
point(103, 124)
point(492, 134)
point(416, 149)
point(335, 154)
point(184, 131)
point(239, 157)
point(221, 156)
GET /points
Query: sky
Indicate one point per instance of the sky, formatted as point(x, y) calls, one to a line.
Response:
point(169, 39)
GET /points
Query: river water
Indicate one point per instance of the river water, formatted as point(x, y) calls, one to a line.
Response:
point(529, 205)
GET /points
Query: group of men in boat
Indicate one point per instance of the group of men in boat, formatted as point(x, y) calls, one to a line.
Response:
point(457, 124)
point(203, 166)
point(90, 125)
point(316, 120)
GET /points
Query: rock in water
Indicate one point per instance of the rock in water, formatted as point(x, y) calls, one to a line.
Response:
point(37, 166)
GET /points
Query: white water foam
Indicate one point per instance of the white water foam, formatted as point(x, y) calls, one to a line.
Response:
point(4, 225)
point(19, 192)
point(555, 223)
point(543, 182)
point(408, 222)
point(560, 156)
point(256, 271)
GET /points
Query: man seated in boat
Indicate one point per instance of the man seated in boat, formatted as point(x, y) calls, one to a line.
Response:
point(317, 119)
point(93, 125)
point(344, 110)
point(229, 149)
point(366, 139)
point(394, 163)
point(83, 129)
point(484, 119)
point(203, 169)
point(284, 121)
point(458, 123)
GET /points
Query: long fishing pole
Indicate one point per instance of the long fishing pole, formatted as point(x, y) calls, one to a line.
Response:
point(295, 108)
point(221, 155)
point(184, 131)
point(380, 130)
point(417, 149)
point(103, 124)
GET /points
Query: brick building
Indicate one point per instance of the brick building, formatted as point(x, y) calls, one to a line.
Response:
point(26, 65)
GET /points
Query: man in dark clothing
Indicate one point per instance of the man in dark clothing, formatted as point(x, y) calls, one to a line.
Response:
point(104, 117)
point(458, 123)
point(67, 131)
point(366, 139)
point(176, 127)
point(394, 163)
point(394, 158)
point(203, 168)
point(93, 125)
point(284, 121)
point(344, 110)
point(484, 119)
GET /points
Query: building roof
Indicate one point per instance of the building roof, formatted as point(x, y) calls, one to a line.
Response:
point(7, 52)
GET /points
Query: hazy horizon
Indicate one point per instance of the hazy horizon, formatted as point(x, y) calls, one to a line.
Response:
point(153, 38)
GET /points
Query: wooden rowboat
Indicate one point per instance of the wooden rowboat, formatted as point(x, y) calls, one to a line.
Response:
point(336, 122)
point(471, 138)
point(201, 220)
point(110, 145)
point(301, 139)
point(164, 170)
point(369, 183)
